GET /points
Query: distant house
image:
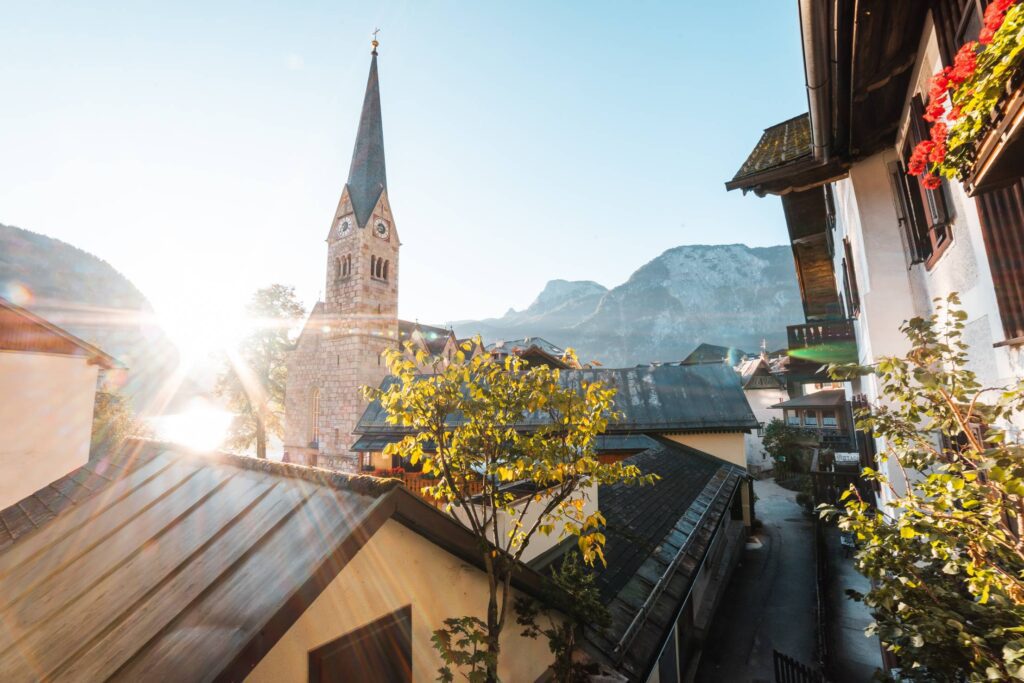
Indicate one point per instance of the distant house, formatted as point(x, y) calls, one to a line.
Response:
point(534, 350)
point(157, 564)
point(764, 388)
point(49, 379)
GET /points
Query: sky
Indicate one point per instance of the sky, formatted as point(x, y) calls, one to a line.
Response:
point(200, 148)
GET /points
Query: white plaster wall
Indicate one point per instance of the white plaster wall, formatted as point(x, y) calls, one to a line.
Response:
point(373, 584)
point(46, 406)
point(760, 401)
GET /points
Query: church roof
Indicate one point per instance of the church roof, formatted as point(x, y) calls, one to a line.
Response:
point(367, 178)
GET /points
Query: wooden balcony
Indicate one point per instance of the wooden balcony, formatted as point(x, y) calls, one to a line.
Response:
point(999, 157)
point(417, 483)
point(825, 341)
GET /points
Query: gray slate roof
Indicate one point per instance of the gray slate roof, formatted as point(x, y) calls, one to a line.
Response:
point(657, 538)
point(367, 177)
point(654, 399)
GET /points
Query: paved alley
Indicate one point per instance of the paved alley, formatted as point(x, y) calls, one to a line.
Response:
point(770, 601)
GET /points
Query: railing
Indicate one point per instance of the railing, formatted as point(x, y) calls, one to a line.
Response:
point(820, 333)
point(789, 670)
point(416, 482)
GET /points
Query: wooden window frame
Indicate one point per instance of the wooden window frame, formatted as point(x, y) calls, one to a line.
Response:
point(397, 623)
point(850, 288)
point(927, 214)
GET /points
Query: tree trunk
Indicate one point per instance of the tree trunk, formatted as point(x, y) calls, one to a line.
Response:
point(493, 635)
point(261, 437)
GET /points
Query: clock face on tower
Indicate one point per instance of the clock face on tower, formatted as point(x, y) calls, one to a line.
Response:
point(344, 226)
point(380, 229)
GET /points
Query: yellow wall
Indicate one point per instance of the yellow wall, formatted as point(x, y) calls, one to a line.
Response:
point(728, 446)
point(46, 405)
point(397, 567)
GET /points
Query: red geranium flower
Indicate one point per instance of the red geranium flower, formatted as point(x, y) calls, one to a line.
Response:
point(931, 182)
point(964, 64)
point(995, 13)
point(918, 162)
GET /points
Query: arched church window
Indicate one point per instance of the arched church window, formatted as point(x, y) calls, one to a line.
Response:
point(385, 273)
point(348, 264)
point(337, 269)
point(314, 414)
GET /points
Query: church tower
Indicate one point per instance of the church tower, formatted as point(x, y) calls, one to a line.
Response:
point(342, 345)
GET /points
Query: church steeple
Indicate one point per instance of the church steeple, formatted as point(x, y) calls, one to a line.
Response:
point(367, 177)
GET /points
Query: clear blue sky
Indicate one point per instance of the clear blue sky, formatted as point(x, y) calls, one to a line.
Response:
point(200, 147)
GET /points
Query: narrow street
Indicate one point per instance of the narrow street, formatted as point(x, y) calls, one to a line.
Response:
point(770, 601)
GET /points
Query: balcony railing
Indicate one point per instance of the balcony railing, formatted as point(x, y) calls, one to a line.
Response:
point(417, 483)
point(825, 341)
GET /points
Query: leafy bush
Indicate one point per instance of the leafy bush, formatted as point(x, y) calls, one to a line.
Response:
point(945, 554)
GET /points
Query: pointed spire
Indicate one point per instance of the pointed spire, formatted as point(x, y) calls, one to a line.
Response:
point(366, 176)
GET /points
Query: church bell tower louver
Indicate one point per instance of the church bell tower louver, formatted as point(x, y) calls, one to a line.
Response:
point(341, 347)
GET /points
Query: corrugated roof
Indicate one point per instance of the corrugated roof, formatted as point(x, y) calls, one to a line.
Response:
point(160, 565)
point(781, 144)
point(657, 537)
point(663, 398)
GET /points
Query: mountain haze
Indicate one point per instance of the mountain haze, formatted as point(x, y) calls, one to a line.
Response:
point(732, 295)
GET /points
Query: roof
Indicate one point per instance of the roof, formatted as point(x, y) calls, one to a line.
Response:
point(756, 373)
point(713, 353)
point(830, 398)
point(535, 349)
point(651, 399)
point(159, 564)
point(654, 548)
point(780, 145)
point(604, 443)
point(367, 177)
point(22, 330)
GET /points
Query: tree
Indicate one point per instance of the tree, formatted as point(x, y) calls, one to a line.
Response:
point(945, 554)
point(467, 424)
point(571, 590)
point(788, 445)
point(113, 422)
point(253, 379)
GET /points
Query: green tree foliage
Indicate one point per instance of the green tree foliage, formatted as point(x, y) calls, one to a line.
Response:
point(113, 422)
point(787, 445)
point(253, 379)
point(572, 592)
point(945, 555)
point(463, 421)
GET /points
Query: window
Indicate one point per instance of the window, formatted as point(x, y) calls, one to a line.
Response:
point(850, 289)
point(385, 274)
point(793, 418)
point(828, 418)
point(1001, 213)
point(337, 269)
point(923, 214)
point(811, 418)
point(379, 652)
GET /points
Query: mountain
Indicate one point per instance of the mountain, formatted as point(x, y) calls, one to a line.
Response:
point(731, 294)
point(89, 298)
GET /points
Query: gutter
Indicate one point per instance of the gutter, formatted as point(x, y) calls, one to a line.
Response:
point(814, 37)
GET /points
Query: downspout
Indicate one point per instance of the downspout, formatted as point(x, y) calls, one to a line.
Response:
point(814, 36)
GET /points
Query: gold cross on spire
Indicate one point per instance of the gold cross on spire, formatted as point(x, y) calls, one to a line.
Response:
point(375, 42)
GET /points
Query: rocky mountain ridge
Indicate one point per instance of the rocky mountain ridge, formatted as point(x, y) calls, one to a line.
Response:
point(732, 295)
